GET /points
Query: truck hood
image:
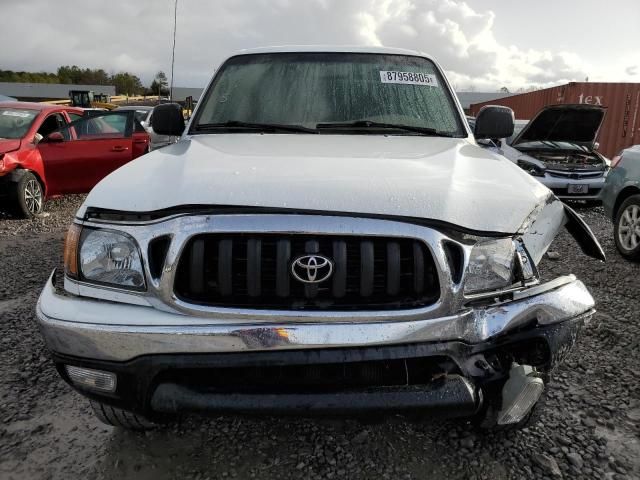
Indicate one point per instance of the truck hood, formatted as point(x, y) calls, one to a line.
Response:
point(9, 144)
point(448, 180)
point(577, 124)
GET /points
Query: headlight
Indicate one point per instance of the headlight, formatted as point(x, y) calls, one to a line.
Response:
point(532, 169)
point(491, 265)
point(111, 258)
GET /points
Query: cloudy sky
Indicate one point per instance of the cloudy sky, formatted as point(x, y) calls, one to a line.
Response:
point(482, 44)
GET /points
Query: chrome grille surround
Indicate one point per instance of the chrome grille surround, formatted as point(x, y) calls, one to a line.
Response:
point(181, 228)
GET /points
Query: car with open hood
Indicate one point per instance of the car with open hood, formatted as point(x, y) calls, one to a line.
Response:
point(621, 201)
point(558, 147)
point(326, 236)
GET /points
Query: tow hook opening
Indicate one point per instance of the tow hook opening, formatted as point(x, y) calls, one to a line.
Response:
point(520, 393)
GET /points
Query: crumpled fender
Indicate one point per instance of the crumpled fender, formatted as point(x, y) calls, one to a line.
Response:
point(579, 229)
point(16, 174)
point(545, 222)
point(8, 145)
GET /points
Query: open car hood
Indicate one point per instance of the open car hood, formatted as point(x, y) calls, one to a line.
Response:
point(577, 124)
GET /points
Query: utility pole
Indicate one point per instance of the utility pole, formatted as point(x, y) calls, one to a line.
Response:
point(173, 52)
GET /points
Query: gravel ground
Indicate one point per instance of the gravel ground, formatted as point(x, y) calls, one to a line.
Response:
point(589, 429)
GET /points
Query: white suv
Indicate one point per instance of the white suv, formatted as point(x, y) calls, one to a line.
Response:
point(325, 236)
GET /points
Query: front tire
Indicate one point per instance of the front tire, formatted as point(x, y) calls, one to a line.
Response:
point(117, 417)
point(27, 196)
point(626, 230)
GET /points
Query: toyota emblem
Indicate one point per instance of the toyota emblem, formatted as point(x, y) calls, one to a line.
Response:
point(312, 268)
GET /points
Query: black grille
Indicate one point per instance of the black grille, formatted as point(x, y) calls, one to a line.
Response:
point(576, 175)
point(243, 270)
point(308, 378)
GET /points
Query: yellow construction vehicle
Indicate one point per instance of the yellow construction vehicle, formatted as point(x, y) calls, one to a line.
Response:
point(188, 107)
point(89, 99)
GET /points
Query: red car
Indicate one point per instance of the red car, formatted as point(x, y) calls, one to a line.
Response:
point(51, 150)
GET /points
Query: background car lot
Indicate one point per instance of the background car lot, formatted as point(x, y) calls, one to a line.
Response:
point(53, 151)
point(589, 429)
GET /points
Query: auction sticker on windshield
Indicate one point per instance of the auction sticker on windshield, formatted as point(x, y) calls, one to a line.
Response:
point(14, 113)
point(409, 78)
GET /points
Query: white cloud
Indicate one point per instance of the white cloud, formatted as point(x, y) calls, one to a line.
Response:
point(136, 36)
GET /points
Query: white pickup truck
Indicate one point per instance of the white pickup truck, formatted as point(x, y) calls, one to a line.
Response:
point(326, 236)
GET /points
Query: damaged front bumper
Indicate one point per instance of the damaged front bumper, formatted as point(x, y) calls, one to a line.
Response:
point(169, 362)
point(84, 327)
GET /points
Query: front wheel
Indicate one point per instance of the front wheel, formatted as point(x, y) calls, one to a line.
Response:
point(627, 228)
point(27, 196)
point(117, 417)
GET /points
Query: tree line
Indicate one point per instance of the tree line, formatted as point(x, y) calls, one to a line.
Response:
point(126, 83)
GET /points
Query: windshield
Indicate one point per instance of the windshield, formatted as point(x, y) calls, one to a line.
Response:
point(307, 89)
point(517, 128)
point(141, 115)
point(15, 122)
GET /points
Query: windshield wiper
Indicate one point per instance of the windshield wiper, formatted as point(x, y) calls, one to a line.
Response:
point(263, 127)
point(360, 124)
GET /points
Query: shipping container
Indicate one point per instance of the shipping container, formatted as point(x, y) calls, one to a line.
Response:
point(621, 127)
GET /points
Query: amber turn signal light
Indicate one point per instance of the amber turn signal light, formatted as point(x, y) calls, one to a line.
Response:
point(71, 251)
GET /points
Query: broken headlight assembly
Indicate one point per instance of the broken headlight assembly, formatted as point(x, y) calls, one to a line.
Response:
point(490, 266)
point(531, 169)
point(104, 257)
point(498, 264)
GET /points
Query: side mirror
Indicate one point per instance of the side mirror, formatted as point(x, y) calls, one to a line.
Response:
point(168, 119)
point(494, 121)
point(55, 137)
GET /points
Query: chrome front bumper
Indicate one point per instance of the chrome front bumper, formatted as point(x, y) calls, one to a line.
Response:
point(103, 330)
